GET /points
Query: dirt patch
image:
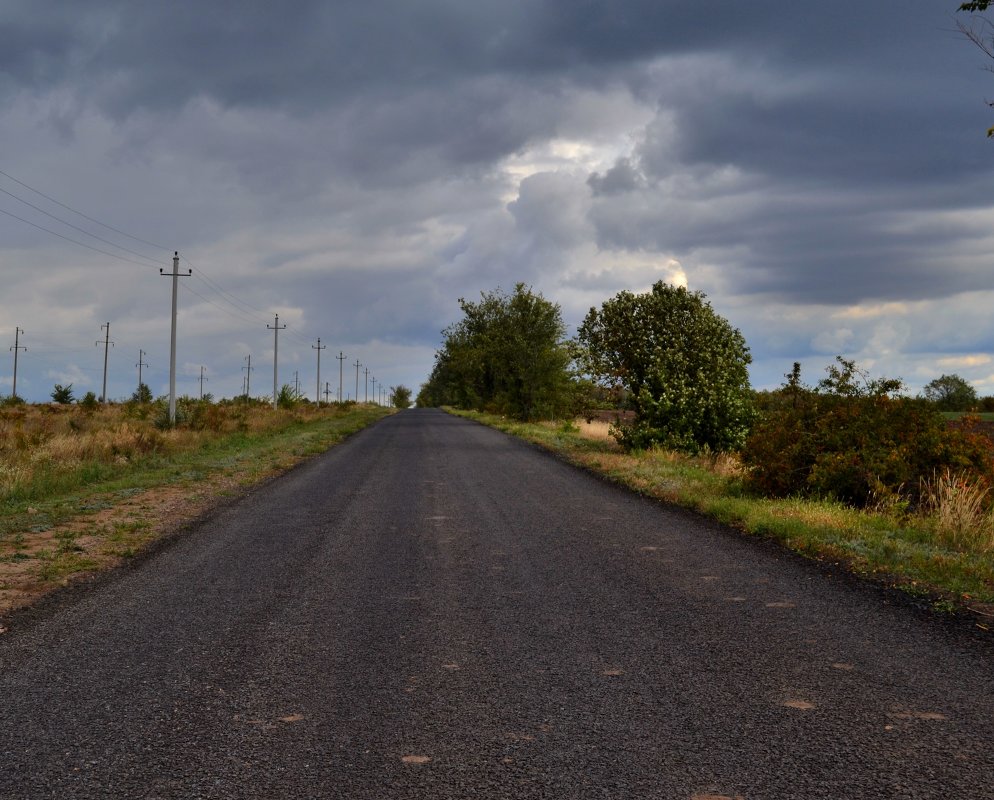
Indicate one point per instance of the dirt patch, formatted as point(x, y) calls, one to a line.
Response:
point(33, 562)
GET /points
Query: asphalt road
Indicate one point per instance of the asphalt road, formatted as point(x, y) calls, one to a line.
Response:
point(434, 610)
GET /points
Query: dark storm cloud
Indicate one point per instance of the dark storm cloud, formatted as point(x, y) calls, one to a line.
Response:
point(373, 161)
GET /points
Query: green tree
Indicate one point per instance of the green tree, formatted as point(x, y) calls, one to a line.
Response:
point(507, 354)
point(142, 394)
point(400, 396)
point(288, 396)
point(951, 393)
point(684, 368)
point(63, 394)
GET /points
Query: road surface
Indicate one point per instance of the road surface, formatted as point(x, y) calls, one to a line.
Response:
point(435, 610)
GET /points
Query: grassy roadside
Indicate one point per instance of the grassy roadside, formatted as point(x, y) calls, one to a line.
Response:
point(70, 517)
point(903, 552)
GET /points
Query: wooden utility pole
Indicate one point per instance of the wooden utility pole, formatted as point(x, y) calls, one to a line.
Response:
point(17, 346)
point(107, 345)
point(141, 363)
point(248, 375)
point(175, 275)
point(319, 347)
point(276, 328)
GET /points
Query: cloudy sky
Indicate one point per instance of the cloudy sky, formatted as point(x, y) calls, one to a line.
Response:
point(819, 170)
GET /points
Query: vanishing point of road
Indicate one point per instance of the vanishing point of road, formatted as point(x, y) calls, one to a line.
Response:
point(435, 610)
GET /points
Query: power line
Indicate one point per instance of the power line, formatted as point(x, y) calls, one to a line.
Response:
point(240, 316)
point(81, 230)
point(80, 213)
point(69, 239)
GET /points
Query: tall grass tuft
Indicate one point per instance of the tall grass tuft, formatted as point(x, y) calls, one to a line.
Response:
point(957, 507)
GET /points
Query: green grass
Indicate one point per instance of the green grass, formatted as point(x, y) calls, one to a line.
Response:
point(984, 416)
point(900, 551)
point(53, 497)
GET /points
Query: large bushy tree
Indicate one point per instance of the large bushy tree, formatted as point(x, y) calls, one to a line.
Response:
point(400, 396)
point(683, 366)
point(951, 393)
point(507, 354)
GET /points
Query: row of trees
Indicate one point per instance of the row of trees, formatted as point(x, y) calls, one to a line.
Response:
point(681, 367)
point(682, 371)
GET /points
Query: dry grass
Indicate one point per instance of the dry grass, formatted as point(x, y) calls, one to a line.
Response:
point(81, 490)
point(943, 553)
point(958, 508)
point(50, 442)
point(597, 430)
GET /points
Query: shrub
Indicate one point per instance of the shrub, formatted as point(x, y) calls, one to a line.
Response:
point(850, 440)
point(63, 394)
point(89, 401)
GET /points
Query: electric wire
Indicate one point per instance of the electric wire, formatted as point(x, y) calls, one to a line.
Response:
point(84, 216)
point(74, 241)
point(81, 230)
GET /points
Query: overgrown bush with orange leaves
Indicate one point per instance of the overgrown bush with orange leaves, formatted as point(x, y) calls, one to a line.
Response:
point(852, 439)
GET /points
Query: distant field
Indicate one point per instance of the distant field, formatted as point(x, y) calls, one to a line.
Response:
point(986, 416)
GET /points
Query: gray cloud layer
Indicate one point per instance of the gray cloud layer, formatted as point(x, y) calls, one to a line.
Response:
point(819, 171)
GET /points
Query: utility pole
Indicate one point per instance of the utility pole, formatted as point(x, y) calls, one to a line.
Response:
point(296, 381)
point(17, 346)
point(107, 345)
point(141, 363)
point(319, 347)
point(175, 275)
point(276, 328)
point(341, 360)
point(327, 391)
point(202, 379)
point(248, 375)
point(373, 381)
point(357, 365)
point(367, 388)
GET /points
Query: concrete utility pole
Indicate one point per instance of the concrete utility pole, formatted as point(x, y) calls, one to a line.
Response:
point(276, 328)
point(296, 381)
point(373, 381)
point(327, 391)
point(357, 365)
point(319, 347)
point(107, 343)
point(141, 363)
point(17, 346)
point(202, 379)
point(248, 375)
point(367, 388)
point(341, 360)
point(175, 275)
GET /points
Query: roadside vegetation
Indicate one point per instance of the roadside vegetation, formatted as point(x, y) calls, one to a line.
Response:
point(940, 551)
point(851, 470)
point(81, 487)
